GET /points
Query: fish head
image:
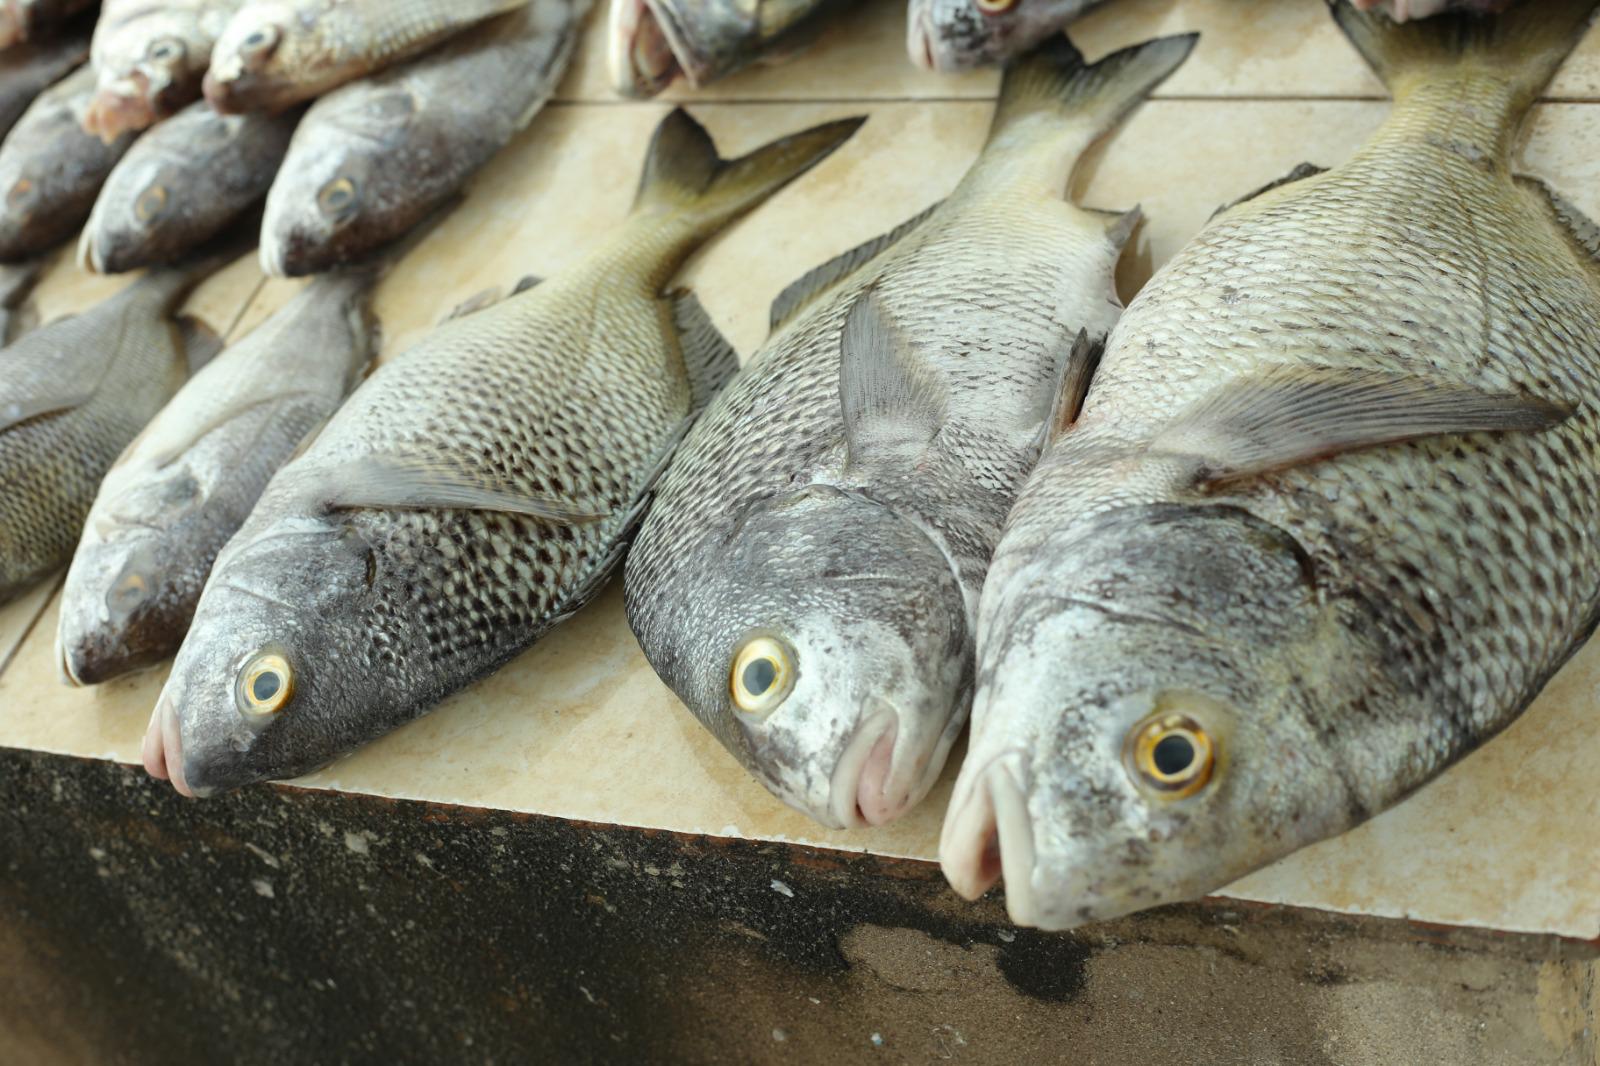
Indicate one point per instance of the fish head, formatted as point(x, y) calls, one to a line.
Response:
point(133, 584)
point(248, 60)
point(831, 653)
point(952, 35)
point(144, 226)
point(652, 42)
point(268, 683)
point(1142, 730)
point(145, 75)
point(335, 199)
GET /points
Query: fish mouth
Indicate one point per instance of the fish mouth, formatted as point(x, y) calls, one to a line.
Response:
point(887, 767)
point(844, 788)
point(68, 666)
point(640, 56)
point(919, 43)
point(119, 108)
point(163, 749)
point(988, 838)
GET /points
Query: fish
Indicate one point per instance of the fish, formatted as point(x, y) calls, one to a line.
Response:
point(184, 182)
point(651, 43)
point(16, 285)
point(150, 56)
point(954, 35)
point(75, 393)
point(277, 53)
point(189, 481)
point(474, 492)
point(1404, 10)
point(1326, 521)
point(26, 70)
point(51, 170)
point(807, 580)
point(339, 194)
point(25, 20)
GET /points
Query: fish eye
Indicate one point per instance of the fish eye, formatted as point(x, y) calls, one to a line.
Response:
point(166, 50)
point(261, 39)
point(266, 684)
point(151, 203)
point(338, 197)
point(762, 676)
point(128, 593)
point(1173, 754)
point(20, 193)
point(995, 7)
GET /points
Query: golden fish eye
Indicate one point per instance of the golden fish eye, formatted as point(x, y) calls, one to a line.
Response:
point(128, 593)
point(151, 203)
point(338, 196)
point(266, 684)
point(1173, 754)
point(762, 675)
point(995, 7)
point(21, 191)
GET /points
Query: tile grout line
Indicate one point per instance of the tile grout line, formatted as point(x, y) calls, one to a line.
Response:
point(33, 623)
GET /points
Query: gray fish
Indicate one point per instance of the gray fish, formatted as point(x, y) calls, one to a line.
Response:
point(1327, 521)
point(183, 183)
point(23, 20)
point(340, 193)
point(653, 42)
point(73, 395)
point(150, 56)
point(278, 53)
point(1404, 10)
point(29, 69)
point(16, 285)
point(807, 580)
point(51, 170)
point(951, 35)
point(473, 493)
point(188, 483)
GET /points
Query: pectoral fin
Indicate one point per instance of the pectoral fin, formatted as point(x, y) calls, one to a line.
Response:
point(799, 295)
point(1298, 414)
point(401, 483)
point(27, 409)
point(894, 405)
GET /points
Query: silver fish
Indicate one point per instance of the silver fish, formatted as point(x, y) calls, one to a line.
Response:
point(1327, 521)
point(277, 53)
point(339, 194)
point(654, 42)
point(473, 493)
point(51, 170)
point(183, 183)
point(187, 484)
point(150, 56)
point(23, 20)
point(807, 580)
point(951, 35)
point(74, 394)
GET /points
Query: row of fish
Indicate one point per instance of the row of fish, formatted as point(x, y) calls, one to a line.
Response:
point(1216, 576)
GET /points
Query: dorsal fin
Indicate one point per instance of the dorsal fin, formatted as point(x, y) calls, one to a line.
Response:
point(1583, 230)
point(1299, 173)
point(798, 295)
point(1077, 372)
point(707, 356)
point(894, 405)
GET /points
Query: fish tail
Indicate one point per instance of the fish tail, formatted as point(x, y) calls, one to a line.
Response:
point(684, 175)
point(1055, 79)
point(1524, 46)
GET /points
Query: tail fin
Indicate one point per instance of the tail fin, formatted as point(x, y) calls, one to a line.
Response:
point(1525, 46)
point(684, 174)
point(1054, 77)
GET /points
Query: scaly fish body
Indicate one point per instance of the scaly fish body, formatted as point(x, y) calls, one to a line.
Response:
point(150, 56)
point(22, 20)
point(653, 42)
point(1328, 520)
point(276, 53)
point(51, 170)
point(951, 35)
point(1403, 10)
point(828, 523)
point(471, 494)
point(73, 395)
point(181, 185)
point(374, 158)
point(189, 482)
point(28, 70)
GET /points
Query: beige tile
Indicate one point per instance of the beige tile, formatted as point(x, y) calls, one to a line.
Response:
point(18, 616)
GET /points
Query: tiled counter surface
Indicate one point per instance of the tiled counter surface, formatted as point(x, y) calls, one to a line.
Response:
point(580, 728)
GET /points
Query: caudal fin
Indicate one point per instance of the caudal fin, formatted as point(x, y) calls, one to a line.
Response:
point(684, 174)
point(1054, 78)
point(1525, 45)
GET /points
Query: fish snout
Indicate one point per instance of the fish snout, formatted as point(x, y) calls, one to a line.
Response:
point(919, 42)
point(988, 837)
point(122, 106)
point(864, 768)
point(163, 748)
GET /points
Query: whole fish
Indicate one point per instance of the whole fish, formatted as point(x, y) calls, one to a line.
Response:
point(340, 194)
point(183, 183)
point(188, 483)
point(653, 42)
point(1327, 521)
point(23, 20)
point(951, 35)
point(29, 69)
point(473, 493)
point(807, 580)
point(150, 56)
point(1402, 10)
point(74, 394)
point(276, 53)
point(51, 170)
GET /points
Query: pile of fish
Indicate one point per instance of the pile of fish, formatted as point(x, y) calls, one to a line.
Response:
point(1214, 576)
